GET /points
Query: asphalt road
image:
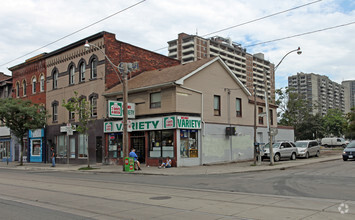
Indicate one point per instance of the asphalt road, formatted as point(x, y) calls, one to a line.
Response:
point(30, 193)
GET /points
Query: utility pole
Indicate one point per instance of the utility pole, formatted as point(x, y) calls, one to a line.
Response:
point(255, 125)
point(268, 121)
point(125, 112)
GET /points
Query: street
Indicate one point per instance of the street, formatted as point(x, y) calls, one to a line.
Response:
point(306, 192)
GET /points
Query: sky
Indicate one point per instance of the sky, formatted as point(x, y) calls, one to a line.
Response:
point(33, 25)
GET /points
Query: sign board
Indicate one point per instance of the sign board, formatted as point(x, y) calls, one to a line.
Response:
point(150, 124)
point(37, 133)
point(115, 109)
point(69, 129)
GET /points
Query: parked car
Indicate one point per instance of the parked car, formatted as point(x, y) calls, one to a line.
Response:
point(307, 148)
point(334, 142)
point(281, 149)
point(349, 151)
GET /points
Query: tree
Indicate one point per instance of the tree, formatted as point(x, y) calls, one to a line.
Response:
point(310, 128)
point(350, 129)
point(81, 108)
point(334, 123)
point(21, 116)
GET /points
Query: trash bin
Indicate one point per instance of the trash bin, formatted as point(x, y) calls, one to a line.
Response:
point(129, 164)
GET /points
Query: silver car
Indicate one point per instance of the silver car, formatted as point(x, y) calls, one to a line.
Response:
point(307, 148)
point(282, 149)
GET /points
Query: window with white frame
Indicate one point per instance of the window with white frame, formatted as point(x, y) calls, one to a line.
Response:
point(93, 106)
point(17, 89)
point(217, 105)
point(34, 83)
point(93, 68)
point(42, 83)
point(238, 107)
point(82, 71)
point(55, 111)
point(55, 79)
point(155, 100)
point(71, 75)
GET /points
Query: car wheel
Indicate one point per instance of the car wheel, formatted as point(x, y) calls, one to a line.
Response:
point(293, 156)
point(277, 157)
point(325, 145)
point(318, 154)
point(307, 155)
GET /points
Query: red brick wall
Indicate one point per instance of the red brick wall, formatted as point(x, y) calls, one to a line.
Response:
point(27, 71)
point(119, 51)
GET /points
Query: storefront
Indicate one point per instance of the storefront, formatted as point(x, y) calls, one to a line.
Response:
point(36, 146)
point(5, 145)
point(155, 139)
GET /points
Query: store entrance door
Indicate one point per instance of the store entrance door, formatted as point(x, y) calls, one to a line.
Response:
point(138, 142)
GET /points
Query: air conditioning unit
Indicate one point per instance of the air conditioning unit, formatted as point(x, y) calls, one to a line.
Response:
point(230, 131)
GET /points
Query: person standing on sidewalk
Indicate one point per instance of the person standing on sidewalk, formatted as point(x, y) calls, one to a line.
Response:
point(53, 156)
point(134, 155)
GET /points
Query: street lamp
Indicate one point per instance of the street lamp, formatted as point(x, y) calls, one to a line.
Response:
point(122, 68)
point(299, 52)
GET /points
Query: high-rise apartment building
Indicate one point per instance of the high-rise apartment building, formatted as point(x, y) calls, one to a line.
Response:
point(320, 92)
point(349, 86)
point(251, 70)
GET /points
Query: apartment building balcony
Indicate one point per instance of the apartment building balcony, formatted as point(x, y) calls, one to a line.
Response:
point(172, 54)
point(188, 56)
point(188, 44)
point(173, 47)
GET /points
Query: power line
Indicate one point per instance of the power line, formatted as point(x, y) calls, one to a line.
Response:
point(306, 33)
point(257, 19)
point(81, 29)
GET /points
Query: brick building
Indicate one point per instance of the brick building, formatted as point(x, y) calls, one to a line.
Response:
point(89, 73)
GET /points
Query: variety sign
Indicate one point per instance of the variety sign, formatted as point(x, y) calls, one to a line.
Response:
point(115, 109)
point(171, 122)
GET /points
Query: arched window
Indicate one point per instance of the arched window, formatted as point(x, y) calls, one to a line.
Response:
point(93, 68)
point(24, 87)
point(55, 78)
point(71, 75)
point(41, 83)
point(34, 82)
point(55, 111)
point(93, 105)
point(17, 89)
point(82, 71)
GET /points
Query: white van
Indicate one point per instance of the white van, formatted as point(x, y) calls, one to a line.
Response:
point(333, 142)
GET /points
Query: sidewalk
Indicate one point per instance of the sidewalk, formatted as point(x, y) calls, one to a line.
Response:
point(236, 167)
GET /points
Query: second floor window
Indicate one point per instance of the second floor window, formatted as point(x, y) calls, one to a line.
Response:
point(238, 107)
point(34, 82)
point(217, 105)
point(55, 112)
point(155, 100)
point(93, 106)
point(261, 118)
point(82, 72)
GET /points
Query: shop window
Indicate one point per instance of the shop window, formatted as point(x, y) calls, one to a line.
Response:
point(72, 146)
point(217, 105)
point(238, 107)
point(115, 146)
point(188, 143)
point(161, 143)
point(155, 100)
point(36, 147)
point(83, 148)
point(61, 149)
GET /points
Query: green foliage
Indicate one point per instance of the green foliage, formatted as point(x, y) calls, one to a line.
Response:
point(334, 123)
point(350, 129)
point(82, 110)
point(21, 116)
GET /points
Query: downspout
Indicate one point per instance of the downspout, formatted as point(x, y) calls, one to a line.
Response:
point(203, 122)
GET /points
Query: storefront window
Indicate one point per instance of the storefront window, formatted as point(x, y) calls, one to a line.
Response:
point(161, 143)
point(115, 146)
point(188, 143)
point(36, 147)
point(72, 146)
point(83, 148)
point(61, 149)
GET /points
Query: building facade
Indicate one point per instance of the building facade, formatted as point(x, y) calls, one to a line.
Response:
point(251, 70)
point(6, 144)
point(89, 73)
point(321, 93)
point(349, 86)
point(196, 113)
